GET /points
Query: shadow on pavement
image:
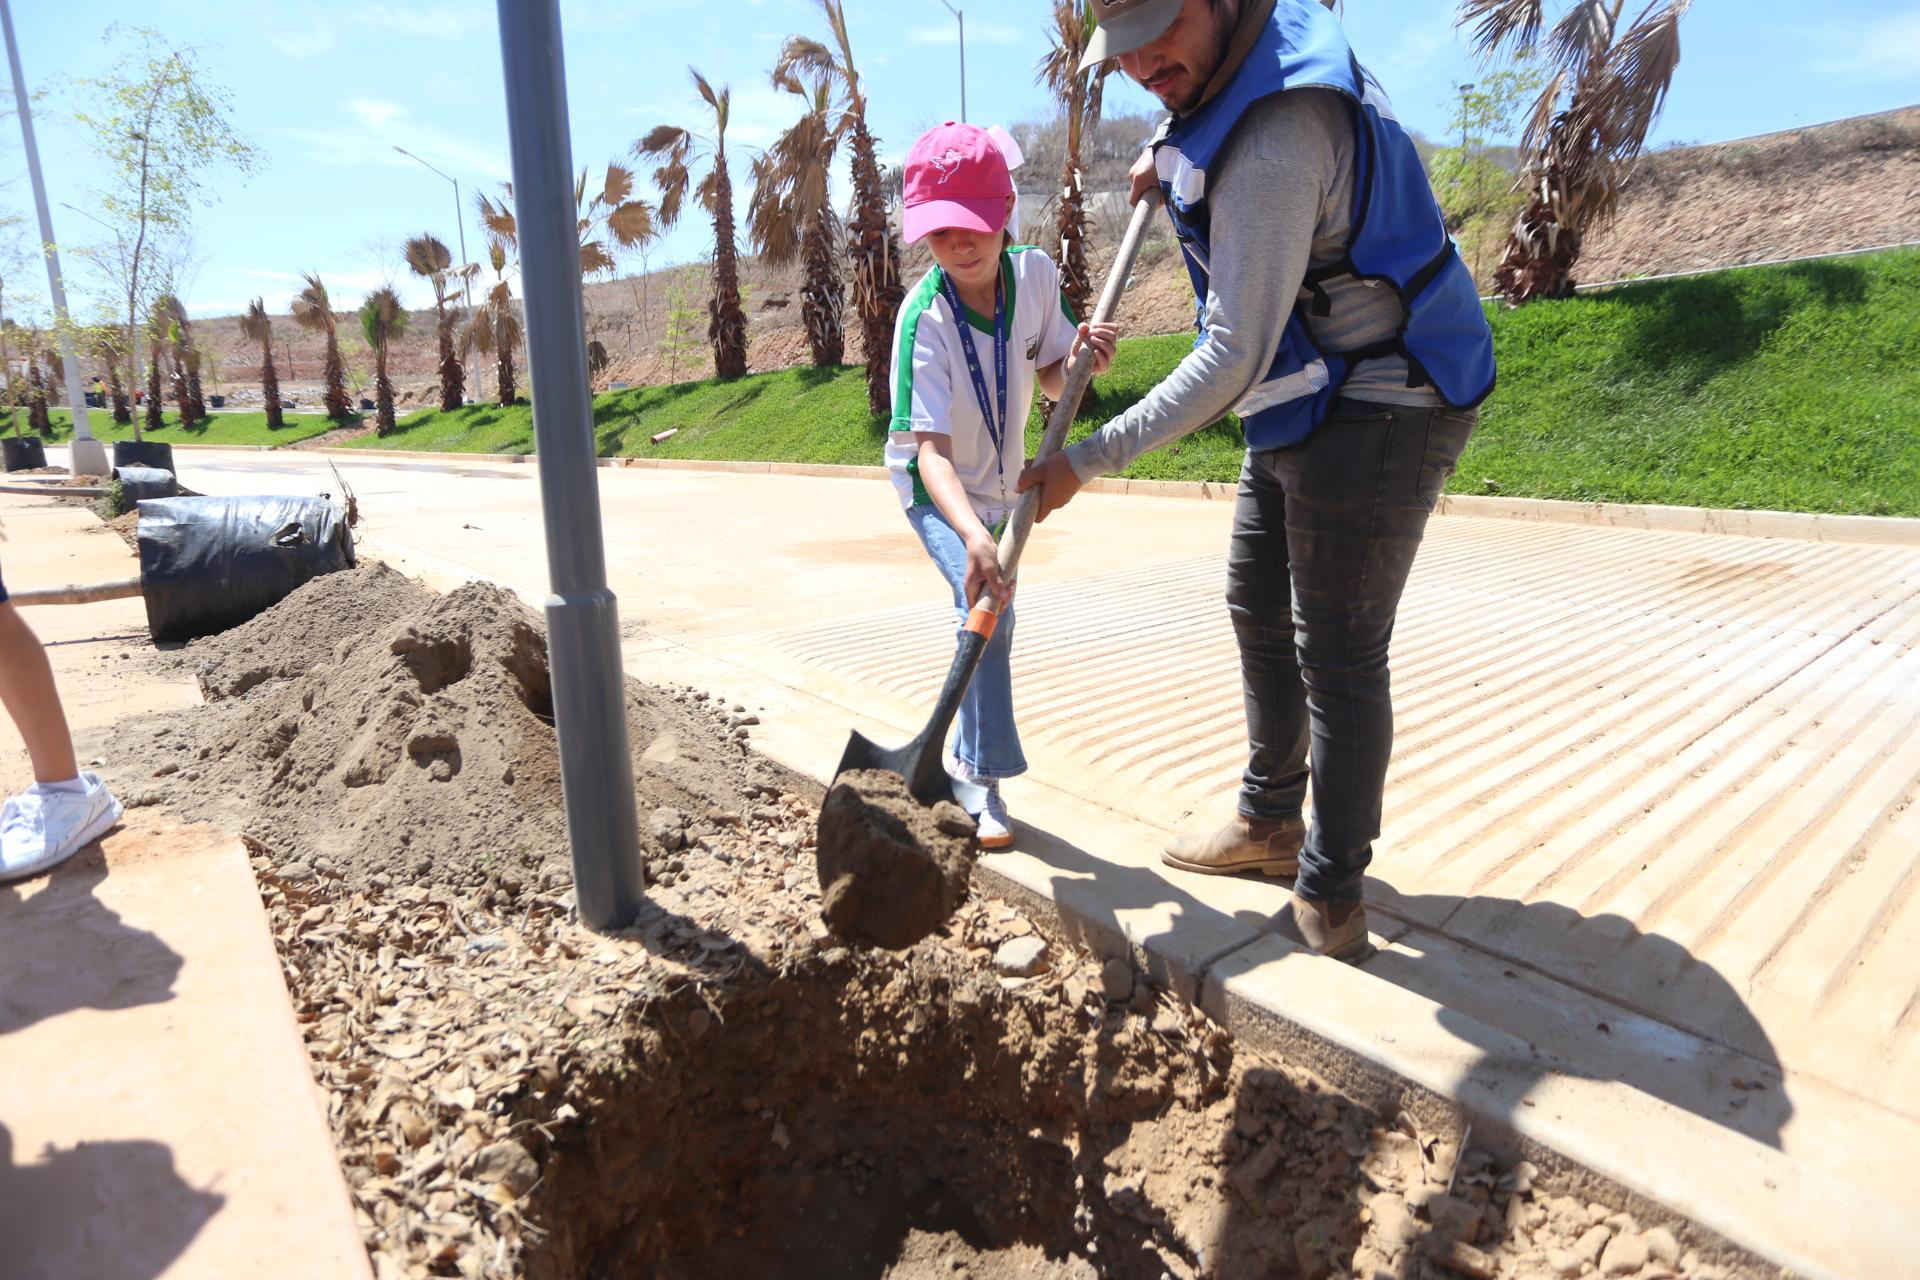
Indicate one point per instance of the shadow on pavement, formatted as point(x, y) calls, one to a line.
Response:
point(62, 949)
point(96, 1209)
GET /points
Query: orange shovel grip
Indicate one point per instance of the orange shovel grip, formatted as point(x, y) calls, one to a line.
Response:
point(983, 619)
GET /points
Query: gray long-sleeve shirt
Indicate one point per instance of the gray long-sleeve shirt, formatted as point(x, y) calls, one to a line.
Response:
point(1281, 195)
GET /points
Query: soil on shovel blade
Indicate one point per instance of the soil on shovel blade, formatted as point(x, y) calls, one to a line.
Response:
point(722, 1089)
point(891, 869)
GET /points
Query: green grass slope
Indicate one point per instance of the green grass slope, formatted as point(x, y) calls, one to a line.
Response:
point(1792, 388)
point(217, 428)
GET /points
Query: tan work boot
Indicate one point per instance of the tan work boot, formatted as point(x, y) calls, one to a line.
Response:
point(1337, 930)
point(1271, 845)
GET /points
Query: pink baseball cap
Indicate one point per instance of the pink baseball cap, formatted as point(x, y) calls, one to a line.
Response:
point(956, 177)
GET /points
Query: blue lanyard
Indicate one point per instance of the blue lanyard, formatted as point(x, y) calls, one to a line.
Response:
point(996, 426)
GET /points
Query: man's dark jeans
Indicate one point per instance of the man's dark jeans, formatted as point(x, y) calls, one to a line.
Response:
point(1324, 535)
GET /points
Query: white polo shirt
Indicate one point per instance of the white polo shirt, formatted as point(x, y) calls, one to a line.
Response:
point(933, 393)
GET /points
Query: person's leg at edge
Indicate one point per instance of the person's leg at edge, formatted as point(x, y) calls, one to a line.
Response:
point(31, 698)
point(1359, 490)
point(64, 809)
point(1266, 833)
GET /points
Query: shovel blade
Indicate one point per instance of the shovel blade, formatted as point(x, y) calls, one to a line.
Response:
point(920, 763)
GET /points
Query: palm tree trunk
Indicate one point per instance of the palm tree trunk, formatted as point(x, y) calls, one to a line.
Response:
point(154, 420)
point(38, 419)
point(503, 372)
point(822, 296)
point(876, 267)
point(453, 379)
point(726, 320)
point(1071, 219)
point(270, 385)
point(336, 376)
point(196, 403)
point(117, 388)
point(180, 396)
point(382, 392)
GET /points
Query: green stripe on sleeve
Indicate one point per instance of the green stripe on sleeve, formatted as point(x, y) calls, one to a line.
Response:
point(915, 307)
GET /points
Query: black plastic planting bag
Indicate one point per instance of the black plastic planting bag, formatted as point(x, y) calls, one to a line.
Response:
point(207, 564)
point(141, 483)
point(143, 453)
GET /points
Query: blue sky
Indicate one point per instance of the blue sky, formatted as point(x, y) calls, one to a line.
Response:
point(326, 88)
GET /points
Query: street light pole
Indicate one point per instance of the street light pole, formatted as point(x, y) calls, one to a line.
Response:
point(583, 627)
point(961, 17)
point(1465, 89)
point(86, 455)
point(459, 225)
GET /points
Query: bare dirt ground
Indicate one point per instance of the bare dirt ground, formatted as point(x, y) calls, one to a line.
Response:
point(1853, 184)
point(723, 1089)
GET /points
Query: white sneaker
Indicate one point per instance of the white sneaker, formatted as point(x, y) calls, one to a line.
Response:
point(996, 826)
point(41, 829)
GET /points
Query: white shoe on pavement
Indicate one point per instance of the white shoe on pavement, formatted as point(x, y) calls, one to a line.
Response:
point(41, 828)
point(995, 824)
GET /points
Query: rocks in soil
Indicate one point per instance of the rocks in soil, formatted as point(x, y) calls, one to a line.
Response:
point(507, 1163)
point(1116, 979)
point(1624, 1255)
point(890, 871)
point(1021, 957)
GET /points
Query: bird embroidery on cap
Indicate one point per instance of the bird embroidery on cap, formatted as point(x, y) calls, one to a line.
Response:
point(948, 164)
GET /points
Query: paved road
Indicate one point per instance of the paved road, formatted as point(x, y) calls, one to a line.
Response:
point(1669, 777)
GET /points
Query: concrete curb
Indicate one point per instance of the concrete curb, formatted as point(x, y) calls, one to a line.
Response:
point(1797, 526)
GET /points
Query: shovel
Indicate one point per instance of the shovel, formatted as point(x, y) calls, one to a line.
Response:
point(922, 761)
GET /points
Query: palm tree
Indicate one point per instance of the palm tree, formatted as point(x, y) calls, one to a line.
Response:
point(871, 248)
point(494, 328)
point(1588, 126)
point(257, 326)
point(154, 343)
point(38, 418)
point(313, 310)
point(609, 220)
point(1080, 95)
point(382, 319)
point(791, 215)
point(429, 258)
point(726, 318)
point(102, 344)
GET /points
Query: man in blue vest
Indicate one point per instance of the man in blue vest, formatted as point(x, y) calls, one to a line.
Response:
point(1336, 318)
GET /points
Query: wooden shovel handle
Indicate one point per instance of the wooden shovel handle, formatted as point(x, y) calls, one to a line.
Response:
point(1079, 375)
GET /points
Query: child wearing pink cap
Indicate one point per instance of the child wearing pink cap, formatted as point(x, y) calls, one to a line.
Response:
point(973, 338)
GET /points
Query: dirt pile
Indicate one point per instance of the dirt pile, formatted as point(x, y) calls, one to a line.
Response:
point(891, 870)
point(365, 726)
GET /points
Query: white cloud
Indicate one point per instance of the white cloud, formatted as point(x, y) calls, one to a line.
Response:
point(1889, 47)
point(373, 128)
point(375, 115)
point(439, 22)
point(347, 287)
point(979, 33)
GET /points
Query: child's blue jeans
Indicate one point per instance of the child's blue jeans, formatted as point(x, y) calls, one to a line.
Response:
point(985, 739)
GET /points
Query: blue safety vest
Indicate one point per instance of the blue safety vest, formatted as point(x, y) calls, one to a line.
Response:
point(1398, 236)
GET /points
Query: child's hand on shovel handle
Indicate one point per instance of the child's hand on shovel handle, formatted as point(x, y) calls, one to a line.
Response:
point(983, 571)
point(1057, 482)
point(1102, 337)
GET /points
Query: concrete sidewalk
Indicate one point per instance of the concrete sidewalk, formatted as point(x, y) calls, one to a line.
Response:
point(158, 1118)
point(1651, 868)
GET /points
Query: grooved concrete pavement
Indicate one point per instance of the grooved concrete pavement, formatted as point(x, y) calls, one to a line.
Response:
point(1652, 808)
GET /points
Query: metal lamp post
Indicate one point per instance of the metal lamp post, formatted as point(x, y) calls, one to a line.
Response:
point(589, 694)
point(961, 17)
point(459, 225)
point(86, 455)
